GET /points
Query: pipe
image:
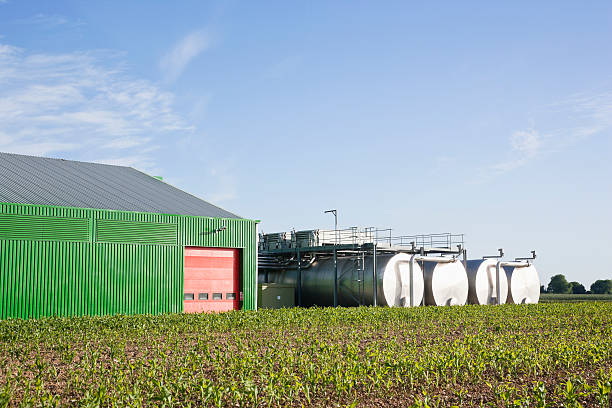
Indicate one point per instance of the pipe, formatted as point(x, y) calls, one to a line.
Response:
point(256, 270)
point(299, 277)
point(282, 266)
point(374, 277)
point(267, 260)
point(417, 257)
point(497, 288)
point(335, 278)
point(516, 264)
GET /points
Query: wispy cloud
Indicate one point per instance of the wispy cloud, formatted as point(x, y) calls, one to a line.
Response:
point(526, 142)
point(44, 20)
point(525, 145)
point(561, 125)
point(184, 51)
point(583, 115)
point(83, 102)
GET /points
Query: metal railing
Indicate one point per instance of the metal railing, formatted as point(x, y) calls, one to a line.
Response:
point(347, 236)
point(439, 240)
point(360, 236)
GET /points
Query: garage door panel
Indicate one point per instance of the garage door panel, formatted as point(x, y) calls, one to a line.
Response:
point(224, 282)
point(212, 306)
point(211, 271)
point(208, 286)
point(209, 253)
point(203, 262)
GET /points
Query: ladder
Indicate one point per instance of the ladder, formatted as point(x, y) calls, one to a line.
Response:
point(359, 277)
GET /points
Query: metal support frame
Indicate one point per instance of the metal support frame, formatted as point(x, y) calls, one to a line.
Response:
point(336, 239)
point(299, 277)
point(256, 267)
point(374, 277)
point(335, 278)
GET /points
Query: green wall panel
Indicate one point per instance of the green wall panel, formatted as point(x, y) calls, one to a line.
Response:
point(136, 232)
point(72, 279)
point(140, 271)
point(43, 228)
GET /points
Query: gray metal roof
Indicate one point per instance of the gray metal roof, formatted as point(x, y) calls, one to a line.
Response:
point(59, 182)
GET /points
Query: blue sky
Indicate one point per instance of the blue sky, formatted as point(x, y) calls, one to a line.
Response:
point(485, 118)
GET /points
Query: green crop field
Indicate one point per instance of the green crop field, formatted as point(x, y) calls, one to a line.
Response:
point(565, 298)
point(502, 356)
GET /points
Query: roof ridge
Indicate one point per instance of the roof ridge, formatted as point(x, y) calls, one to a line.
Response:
point(64, 160)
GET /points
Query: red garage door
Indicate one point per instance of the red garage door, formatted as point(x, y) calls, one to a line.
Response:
point(211, 280)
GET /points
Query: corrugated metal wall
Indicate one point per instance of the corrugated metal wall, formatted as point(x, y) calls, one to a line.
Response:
point(71, 261)
point(43, 228)
point(136, 232)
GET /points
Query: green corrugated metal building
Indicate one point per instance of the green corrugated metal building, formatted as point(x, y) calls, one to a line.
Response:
point(82, 238)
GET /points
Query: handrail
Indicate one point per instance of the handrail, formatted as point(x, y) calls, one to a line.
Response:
point(360, 236)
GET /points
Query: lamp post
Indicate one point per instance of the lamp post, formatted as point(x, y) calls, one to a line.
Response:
point(335, 255)
point(335, 212)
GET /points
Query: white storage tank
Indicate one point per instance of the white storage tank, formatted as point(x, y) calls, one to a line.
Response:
point(355, 281)
point(482, 281)
point(523, 284)
point(396, 282)
point(446, 283)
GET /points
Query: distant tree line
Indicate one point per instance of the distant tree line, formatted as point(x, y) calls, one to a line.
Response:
point(559, 284)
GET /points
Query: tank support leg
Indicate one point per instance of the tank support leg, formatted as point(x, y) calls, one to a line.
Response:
point(299, 277)
point(374, 278)
point(335, 278)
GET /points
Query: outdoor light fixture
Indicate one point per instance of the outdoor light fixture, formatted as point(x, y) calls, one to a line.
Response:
point(335, 212)
point(335, 217)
